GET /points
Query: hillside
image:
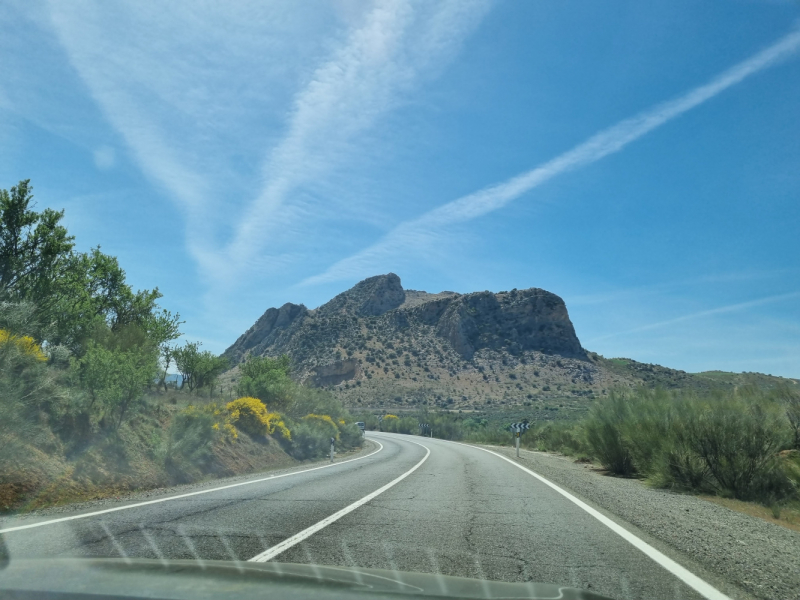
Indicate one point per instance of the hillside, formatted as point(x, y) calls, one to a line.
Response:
point(378, 345)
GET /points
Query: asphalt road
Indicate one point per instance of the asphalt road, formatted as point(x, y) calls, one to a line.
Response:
point(462, 512)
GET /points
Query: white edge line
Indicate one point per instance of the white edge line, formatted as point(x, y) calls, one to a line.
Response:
point(308, 532)
point(689, 578)
point(179, 496)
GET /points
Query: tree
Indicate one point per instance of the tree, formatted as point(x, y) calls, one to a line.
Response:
point(115, 369)
point(268, 379)
point(71, 291)
point(34, 247)
point(162, 328)
point(199, 369)
point(211, 367)
point(187, 360)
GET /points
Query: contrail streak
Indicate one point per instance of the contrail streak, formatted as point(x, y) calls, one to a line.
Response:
point(413, 233)
point(703, 313)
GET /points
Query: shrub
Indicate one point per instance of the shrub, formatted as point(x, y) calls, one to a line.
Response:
point(604, 435)
point(737, 439)
point(567, 438)
point(324, 423)
point(25, 344)
point(647, 429)
point(310, 439)
point(251, 416)
point(191, 438)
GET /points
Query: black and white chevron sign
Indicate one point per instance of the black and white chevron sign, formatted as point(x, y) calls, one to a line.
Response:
point(423, 425)
point(519, 427)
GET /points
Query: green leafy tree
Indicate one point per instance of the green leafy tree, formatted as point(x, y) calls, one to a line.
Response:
point(115, 370)
point(268, 379)
point(34, 247)
point(188, 360)
point(211, 367)
point(198, 368)
point(72, 292)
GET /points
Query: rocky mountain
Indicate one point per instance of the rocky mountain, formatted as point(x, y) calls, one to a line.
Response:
point(380, 345)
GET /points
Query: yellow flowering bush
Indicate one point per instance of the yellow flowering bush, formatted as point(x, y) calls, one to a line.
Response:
point(251, 416)
point(26, 344)
point(390, 417)
point(325, 421)
point(211, 413)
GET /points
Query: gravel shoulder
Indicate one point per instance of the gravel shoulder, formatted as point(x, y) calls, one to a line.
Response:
point(759, 557)
point(152, 494)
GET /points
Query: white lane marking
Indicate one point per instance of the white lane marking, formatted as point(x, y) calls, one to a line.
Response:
point(306, 533)
point(689, 578)
point(179, 496)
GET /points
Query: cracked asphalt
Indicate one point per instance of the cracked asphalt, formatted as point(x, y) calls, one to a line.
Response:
point(464, 512)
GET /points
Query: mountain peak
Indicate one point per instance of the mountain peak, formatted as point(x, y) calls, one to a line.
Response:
point(371, 297)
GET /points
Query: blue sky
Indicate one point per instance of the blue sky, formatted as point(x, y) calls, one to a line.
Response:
point(640, 159)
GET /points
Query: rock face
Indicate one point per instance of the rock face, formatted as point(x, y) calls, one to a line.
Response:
point(377, 338)
point(336, 372)
point(531, 319)
point(272, 329)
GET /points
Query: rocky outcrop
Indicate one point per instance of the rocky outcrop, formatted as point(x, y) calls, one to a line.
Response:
point(266, 332)
point(531, 319)
point(369, 298)
point(336, 372)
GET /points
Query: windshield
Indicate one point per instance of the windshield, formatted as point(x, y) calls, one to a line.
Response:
point(501, 291)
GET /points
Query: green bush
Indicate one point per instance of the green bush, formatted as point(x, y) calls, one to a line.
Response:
point(726, 444)
point(604, 434)
point(309, 440)
point(350, 436)
point(738, 439)
point(190, 440)
point(566, 438)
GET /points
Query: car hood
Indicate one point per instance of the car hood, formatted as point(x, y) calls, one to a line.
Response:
point(180, 579)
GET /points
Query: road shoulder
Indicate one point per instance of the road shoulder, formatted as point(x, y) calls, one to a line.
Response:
point(757, 556)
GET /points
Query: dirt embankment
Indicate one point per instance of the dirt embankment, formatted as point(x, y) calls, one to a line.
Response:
point(38, 473)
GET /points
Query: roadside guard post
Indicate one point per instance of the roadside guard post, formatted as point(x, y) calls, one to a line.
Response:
point(519, 429)
point(333, 441)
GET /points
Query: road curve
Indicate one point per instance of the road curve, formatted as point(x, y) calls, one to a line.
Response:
point(452, 509)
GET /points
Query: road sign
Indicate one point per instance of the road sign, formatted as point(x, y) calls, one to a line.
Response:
point(519, 427)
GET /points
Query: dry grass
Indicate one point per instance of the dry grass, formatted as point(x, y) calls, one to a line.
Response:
point(789, 515)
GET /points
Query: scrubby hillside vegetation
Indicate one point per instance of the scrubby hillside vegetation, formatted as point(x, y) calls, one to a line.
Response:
point(87, 409)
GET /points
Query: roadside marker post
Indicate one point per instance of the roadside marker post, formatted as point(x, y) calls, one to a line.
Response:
point(519, 429)
point(333, 442)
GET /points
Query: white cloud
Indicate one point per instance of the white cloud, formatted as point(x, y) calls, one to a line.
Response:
point(398, 44)
point(418, 235)
point(199, 92)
